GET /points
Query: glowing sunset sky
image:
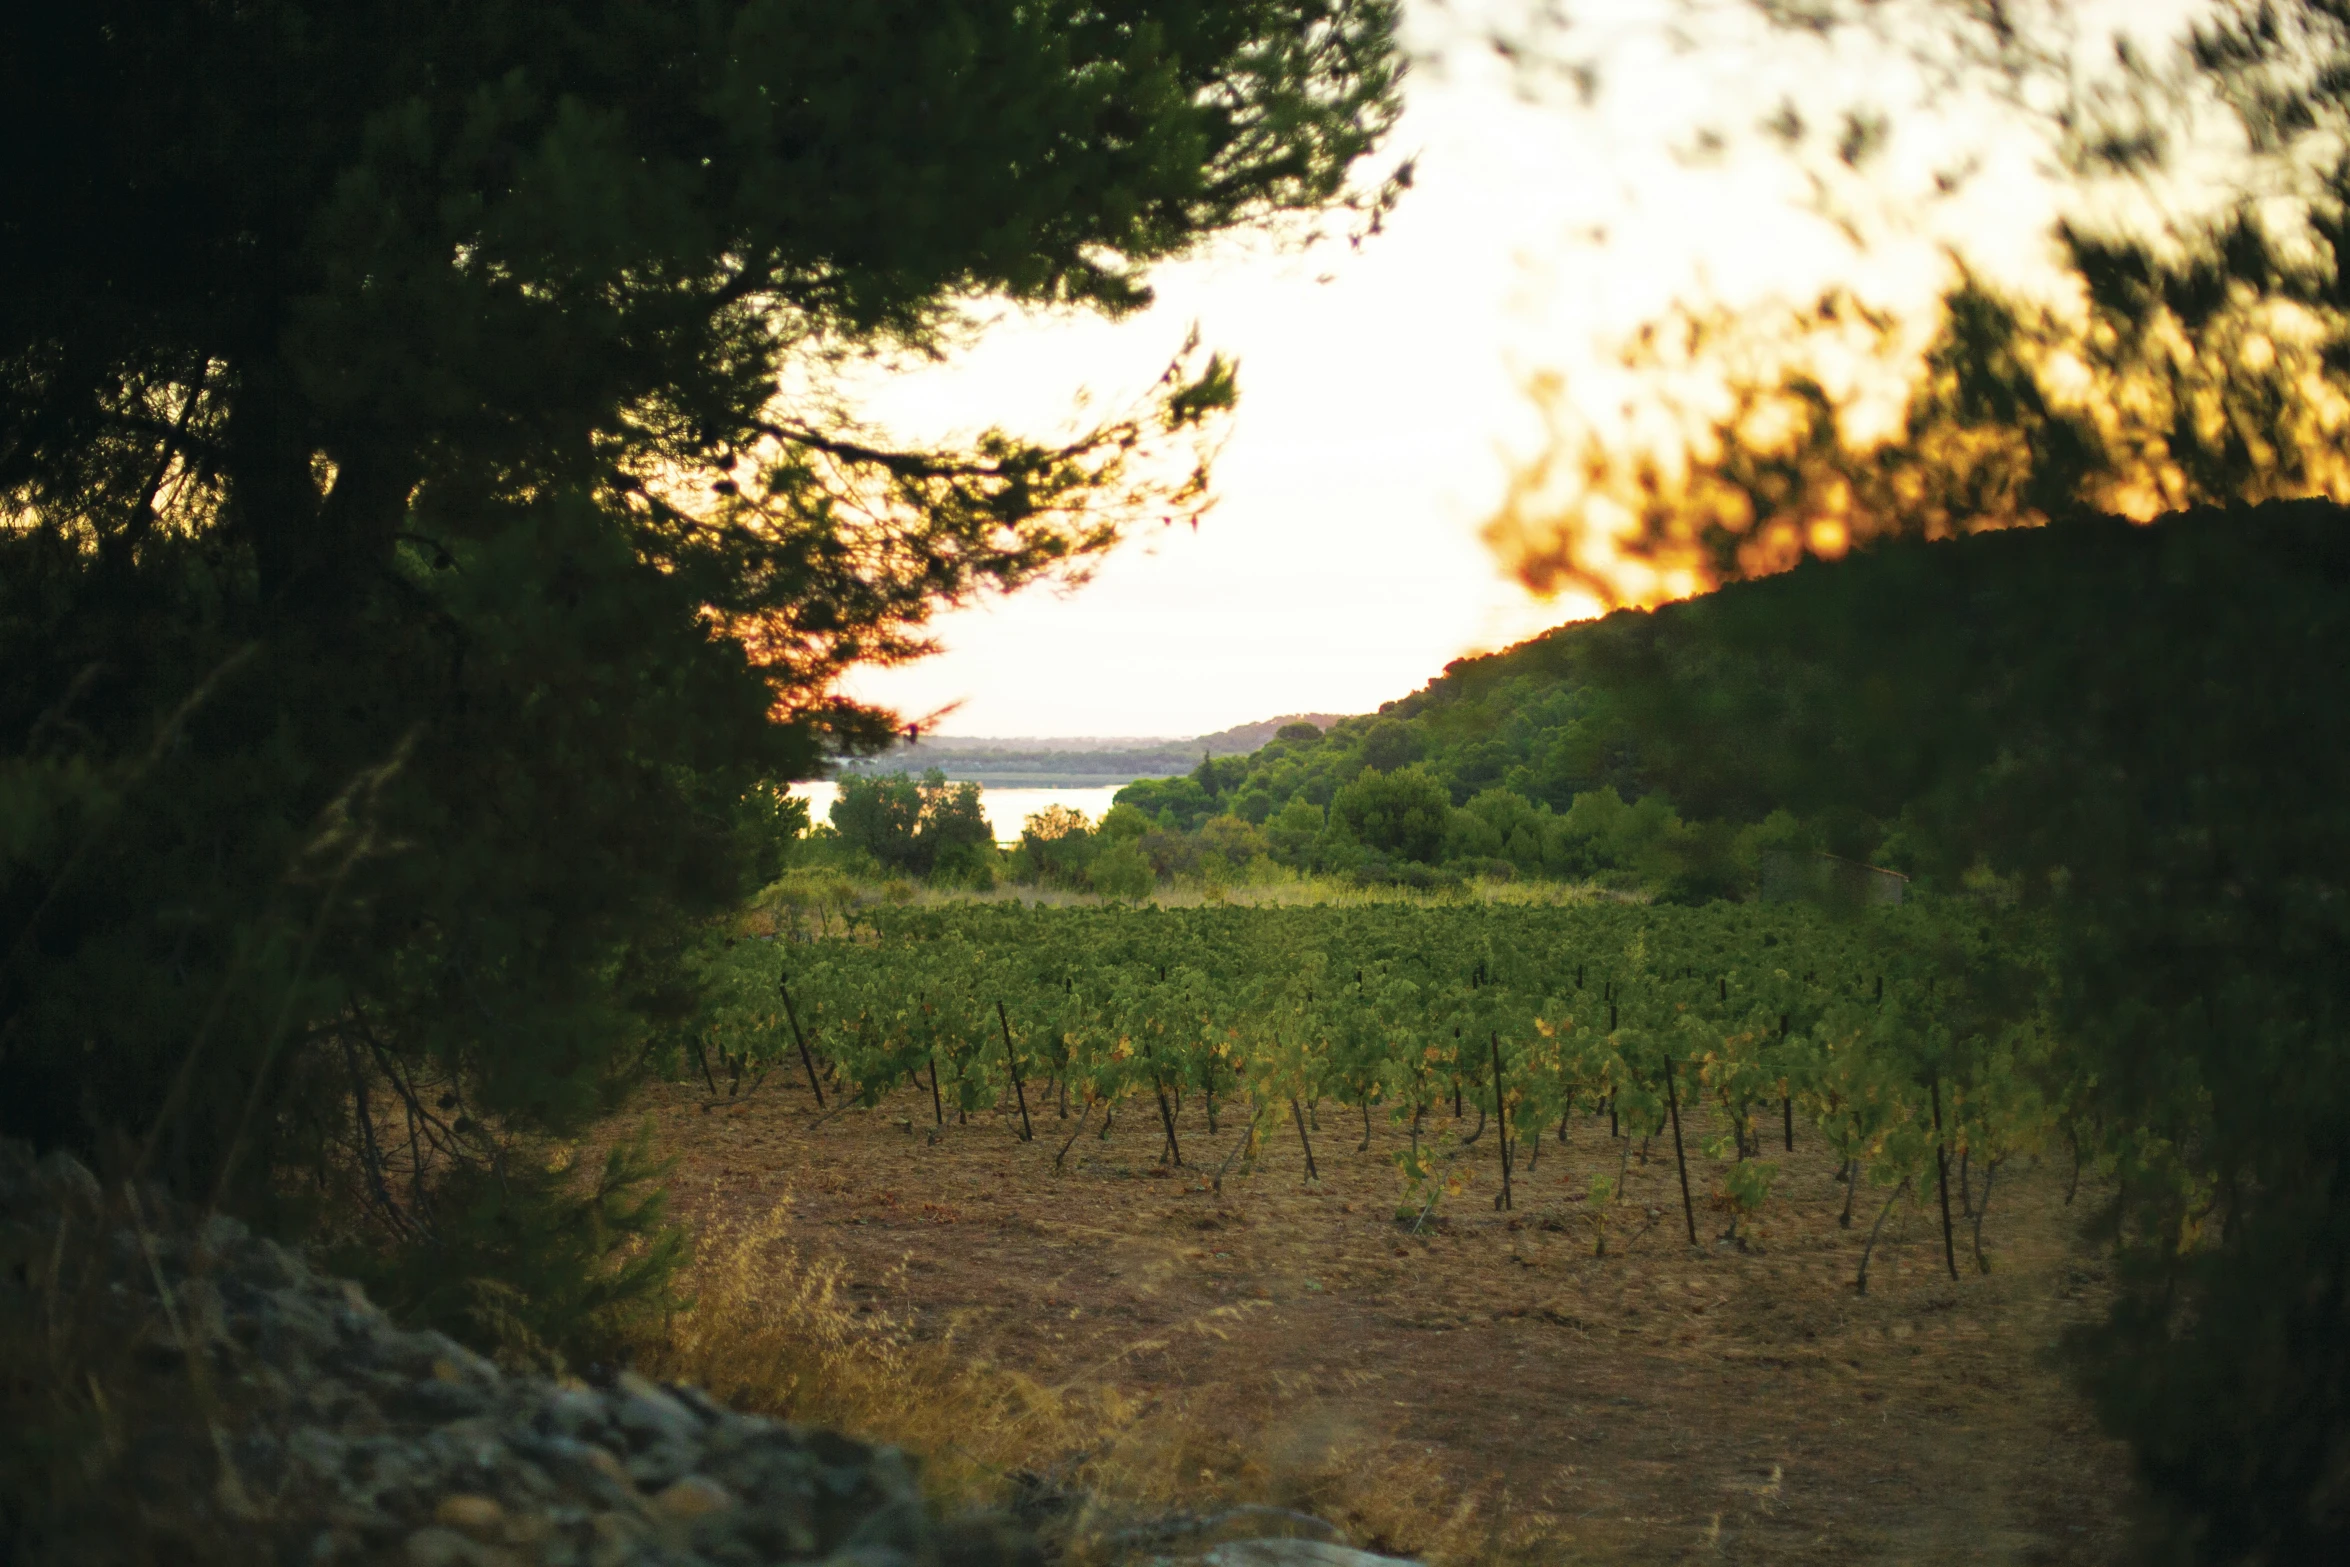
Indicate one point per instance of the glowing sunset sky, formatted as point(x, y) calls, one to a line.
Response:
point(1383, 389)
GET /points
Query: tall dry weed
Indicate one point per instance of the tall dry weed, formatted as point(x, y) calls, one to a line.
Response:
point(774, 1330)
point(114, 1431)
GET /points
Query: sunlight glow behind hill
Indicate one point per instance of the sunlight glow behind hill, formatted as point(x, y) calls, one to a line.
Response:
point(1385, 402)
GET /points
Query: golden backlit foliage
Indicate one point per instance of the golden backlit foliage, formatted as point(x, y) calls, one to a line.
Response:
point(1767, 437)
point(826, 545)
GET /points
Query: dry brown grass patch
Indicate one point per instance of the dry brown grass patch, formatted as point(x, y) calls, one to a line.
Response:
point(772, 1331)
point(1482, 1389)
point(776, 1331)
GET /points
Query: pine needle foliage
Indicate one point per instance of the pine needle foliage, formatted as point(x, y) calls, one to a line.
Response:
point(432, 524)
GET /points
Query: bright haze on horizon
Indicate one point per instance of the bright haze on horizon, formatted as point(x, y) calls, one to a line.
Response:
point(1383, 390)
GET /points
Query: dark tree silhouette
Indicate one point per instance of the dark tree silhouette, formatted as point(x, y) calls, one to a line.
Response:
point(427, 513)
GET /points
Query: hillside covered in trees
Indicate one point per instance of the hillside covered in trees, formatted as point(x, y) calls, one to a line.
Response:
point(1670, 750)
point(1514, 763)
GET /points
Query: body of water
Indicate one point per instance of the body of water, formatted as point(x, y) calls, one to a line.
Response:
point(1006, 808)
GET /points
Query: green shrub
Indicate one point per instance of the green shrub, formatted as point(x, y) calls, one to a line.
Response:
point(1121, 870)
point(520, 1257)
point(1401, 813)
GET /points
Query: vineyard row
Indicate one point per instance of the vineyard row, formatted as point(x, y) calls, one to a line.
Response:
point(1915, 1042)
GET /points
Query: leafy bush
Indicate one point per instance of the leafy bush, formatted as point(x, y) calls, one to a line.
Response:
point(1122, 870)
point(2139, 731)
point(519, 1255)
point(917, 826)
point(1401, 813)
point(1056, 846)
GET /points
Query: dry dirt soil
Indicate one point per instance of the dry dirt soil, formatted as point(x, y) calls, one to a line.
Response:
point(1661, 1403)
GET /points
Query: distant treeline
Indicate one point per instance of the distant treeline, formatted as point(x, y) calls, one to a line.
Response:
point(1518, 764)
point(1072, 757)
point(1513, 764)
point(985, 762)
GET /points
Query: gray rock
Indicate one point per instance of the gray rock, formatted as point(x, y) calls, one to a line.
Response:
point(437, 1400)
point(273, 1267)
point(290, 1333)
point(318, 1450)
point(590, 1471)
point(360, 1325)
point(368, 1442)
point(868, 1556)
point(670, 1458)
point(435, 1546)
point(1295, 1553)
point(1187, 1534)
point(899, 1525)
point(643, 1409)
point(702, 1404)
point(573, 1412)
point(437, 1347)
point(526, 1483)
point(465, 1444)
point(223, 1236)
point(66, 1179)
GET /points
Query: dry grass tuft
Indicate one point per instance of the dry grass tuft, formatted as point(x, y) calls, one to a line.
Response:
point(113, 1429)
point(772, 1331)
point(1383, 1495)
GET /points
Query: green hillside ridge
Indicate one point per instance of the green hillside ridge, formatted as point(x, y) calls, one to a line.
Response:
point(1682, 752)
point(1512, 763)
point(1672, 750)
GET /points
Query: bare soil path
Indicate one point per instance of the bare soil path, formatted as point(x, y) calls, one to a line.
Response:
point(1661, 1403)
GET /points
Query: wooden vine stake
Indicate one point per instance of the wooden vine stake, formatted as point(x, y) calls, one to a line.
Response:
point(1942, 1181)
point(1860, 1284)
point(1082, 1117)
point(784, 986)
point(1011, 1059)
point(1787, 1097)
point(1612, 1129)
point(1680, 1160)
point(1166, 1116)
point(1299, 1116)
point(708, 1081)
point(1246, 1140)
point(1501, 1120)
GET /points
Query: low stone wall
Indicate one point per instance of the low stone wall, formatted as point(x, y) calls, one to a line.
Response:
point(184, 1391)
point(316, 1430)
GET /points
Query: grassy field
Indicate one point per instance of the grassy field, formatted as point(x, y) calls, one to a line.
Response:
point(1479, 1388)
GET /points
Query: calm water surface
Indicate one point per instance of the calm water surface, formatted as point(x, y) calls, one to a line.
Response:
point(1006, 808)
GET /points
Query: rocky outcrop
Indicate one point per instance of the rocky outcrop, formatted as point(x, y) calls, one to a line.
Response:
point(1240, 1537)
point(191, 1392)
point(319, 1431)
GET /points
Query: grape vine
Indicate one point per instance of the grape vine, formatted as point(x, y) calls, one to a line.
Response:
point(1913, 1042)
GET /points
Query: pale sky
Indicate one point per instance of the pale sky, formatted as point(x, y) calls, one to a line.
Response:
point(1384, 389)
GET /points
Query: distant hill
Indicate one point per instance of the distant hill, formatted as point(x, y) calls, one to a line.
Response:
point(1241, 739)
point(1028, 761)
point(1522, 720)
